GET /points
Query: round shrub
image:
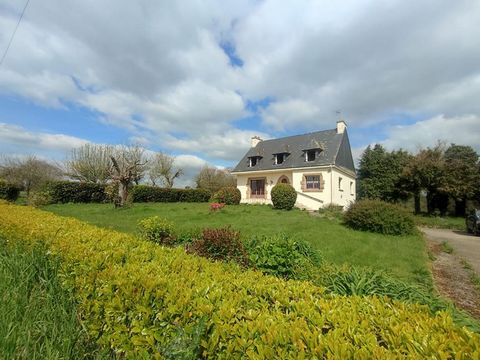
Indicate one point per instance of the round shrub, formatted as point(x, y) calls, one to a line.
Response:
point(283, 196)
point(157, 230)
point(228, 196)
point(8, 192)
point(379, 217)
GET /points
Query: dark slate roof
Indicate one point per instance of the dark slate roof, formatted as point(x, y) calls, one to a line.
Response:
point(335, 151)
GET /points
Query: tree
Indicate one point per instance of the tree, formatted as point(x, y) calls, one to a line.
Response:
point(214, 179)
point(162, 169)
point(462, 175)
point(380, 172)
point(426, 172)
point(128, 166)
point(28, 173)
point(90, 163)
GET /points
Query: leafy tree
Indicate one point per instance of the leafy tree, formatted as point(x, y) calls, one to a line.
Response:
point(214, 179)
point(90, 163)
point(462, 175)
point(380, 172)
point(28, 173)
point(162, 169)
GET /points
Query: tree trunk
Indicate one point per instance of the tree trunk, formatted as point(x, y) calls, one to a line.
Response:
point(416, 198)
point(460, 207)
point(122, 193)
point(430, 203)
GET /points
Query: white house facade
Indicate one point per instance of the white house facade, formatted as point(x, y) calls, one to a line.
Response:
point(318, 165)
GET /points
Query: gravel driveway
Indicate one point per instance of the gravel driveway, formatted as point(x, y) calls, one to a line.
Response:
point(465, 245)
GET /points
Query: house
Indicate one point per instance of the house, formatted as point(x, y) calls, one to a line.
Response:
point(318, 165)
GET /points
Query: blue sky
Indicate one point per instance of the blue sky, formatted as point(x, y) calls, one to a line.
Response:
point(198, 81)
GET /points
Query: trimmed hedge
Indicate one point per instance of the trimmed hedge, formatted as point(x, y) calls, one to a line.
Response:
point(284, 196)
point(228, 196)
point(145, 193)
point(75, 192)
point(138, 298)
point(380, 217)
point(9, 192)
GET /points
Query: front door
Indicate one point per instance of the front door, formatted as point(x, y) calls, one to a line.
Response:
point(257, 188)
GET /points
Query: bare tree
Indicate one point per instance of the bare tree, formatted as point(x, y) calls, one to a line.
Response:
point(90, 163)
point(214, 179)
point(28, 173)
point(162, 169)
point(128, 166)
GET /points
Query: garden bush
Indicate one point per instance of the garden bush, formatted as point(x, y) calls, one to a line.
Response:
point(157, 230)
point(222, 244)
point(283, 196)
point(332, 211)
point(282, 256)
point(146, 193)
point(228, 196)
point(75, 192)
point(134, 296)
point(380, 217)
point(9, 192)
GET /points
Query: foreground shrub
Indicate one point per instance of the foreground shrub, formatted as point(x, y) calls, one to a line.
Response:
point(134, 296)
point(228, 196)
point(145, 193)
point(157, 230)
point(221, 244)
point(9, 192)
point(75, 192)
point(283, 196)
point(380, 217)
point(282, 256)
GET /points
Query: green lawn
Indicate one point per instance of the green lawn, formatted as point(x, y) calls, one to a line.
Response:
point(405, 257)
point(447, 222)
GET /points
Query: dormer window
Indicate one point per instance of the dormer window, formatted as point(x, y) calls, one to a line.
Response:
point(280, 158)
point(253, 160)
point(310, 155)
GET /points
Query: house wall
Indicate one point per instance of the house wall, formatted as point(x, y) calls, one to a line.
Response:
point(332, 192)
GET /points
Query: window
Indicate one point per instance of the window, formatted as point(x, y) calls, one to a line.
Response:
point(312, 182)
point(340, 184)
point(257, 188)
point(351, 187)
point(253, 161)
point(310, 155)
point(279, 159)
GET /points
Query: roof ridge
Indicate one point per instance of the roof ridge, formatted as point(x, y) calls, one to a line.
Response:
point(292, 136)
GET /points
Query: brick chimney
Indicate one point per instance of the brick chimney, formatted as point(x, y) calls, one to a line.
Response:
point(255, 140)
point(341, 127)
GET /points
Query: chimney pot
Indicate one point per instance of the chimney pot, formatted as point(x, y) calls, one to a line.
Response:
point(341, 127)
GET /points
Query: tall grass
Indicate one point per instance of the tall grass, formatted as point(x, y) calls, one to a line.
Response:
point(38, 318)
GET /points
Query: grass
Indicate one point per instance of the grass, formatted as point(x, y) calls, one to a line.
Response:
point(403, 256)
point(447, 222)
point(38, 318)
point(447, 248)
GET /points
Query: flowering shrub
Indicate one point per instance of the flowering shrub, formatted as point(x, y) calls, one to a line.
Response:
point(216, 206)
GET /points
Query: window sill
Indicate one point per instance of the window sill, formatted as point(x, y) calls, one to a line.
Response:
point(312, 190)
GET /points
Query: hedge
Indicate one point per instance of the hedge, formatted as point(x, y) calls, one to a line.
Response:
point(75, 192)
point(145, 193)
point(8, 192)
point(228, 195)
point(139, 298)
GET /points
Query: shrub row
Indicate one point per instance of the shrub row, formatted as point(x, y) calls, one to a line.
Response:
point(74, 192)
point(380, 217)
point(8, 192)
point(138, 298)
point(228, 196)
point(145, 193)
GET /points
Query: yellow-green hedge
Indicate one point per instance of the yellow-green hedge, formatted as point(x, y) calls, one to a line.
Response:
point(134, 295)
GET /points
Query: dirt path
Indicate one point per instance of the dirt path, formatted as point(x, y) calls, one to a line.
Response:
point(452, 279)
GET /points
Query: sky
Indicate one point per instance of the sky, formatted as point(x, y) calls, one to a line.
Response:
point(197, 79)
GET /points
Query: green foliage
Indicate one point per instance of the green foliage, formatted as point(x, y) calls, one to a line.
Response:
point(380, 172)
point(9, 192)
point(221, 244)
point(282, 256)
point(228, 196)
point(380, 217)
point(39, 198)
point(38, 319)
point(283, 196)
point(332, 211)
point(157, 230)
point(145, 193)
point(186, 344)
point(75, 192)
point(134, 296)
